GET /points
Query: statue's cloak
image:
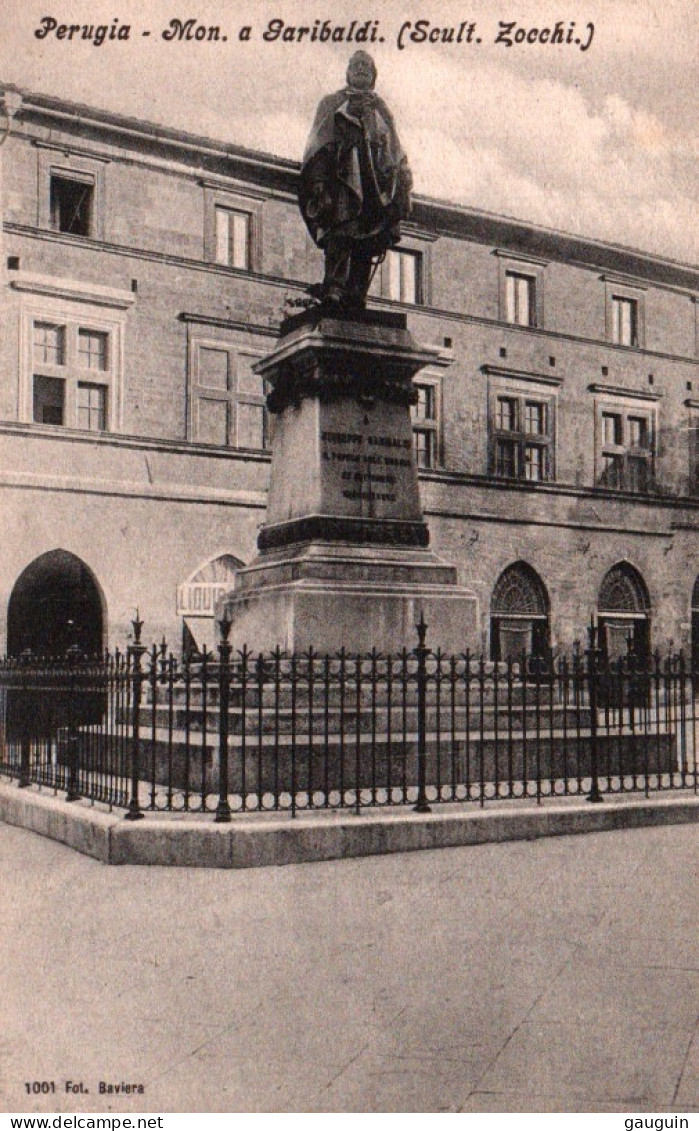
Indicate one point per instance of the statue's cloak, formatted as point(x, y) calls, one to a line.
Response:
point(355, 180)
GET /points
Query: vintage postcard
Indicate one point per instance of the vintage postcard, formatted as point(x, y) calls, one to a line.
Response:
point(349, 475)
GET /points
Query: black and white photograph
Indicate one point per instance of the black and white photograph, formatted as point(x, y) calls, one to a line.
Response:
point(349, 567)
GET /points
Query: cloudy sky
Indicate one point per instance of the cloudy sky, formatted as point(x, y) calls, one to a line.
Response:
point(600, 142)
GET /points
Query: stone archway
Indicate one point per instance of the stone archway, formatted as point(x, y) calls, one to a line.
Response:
point(519, 614)
point(56, 604)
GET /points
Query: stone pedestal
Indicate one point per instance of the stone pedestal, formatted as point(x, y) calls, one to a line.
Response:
point(344, 558)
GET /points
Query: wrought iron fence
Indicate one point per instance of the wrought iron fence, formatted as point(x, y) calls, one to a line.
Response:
point(224, 731)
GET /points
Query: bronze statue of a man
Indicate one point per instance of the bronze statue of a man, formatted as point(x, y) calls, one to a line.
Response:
point(355, 184)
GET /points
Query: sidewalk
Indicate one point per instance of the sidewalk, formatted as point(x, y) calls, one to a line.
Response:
point(549, 975)
point(253, 840)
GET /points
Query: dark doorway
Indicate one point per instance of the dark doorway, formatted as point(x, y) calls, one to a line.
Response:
point(56, 604)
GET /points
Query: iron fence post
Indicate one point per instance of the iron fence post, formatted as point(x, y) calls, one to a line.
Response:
point(421, 652)
point(24, 763)
point(25, 741)
point(681, 676)
point(592, 673)
point(136, 651)
point(223, 809)
point(72, 793)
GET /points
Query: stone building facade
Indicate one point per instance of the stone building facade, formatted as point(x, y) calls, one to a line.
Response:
point(143, 273)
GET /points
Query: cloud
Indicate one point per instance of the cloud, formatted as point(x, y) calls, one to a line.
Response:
point(556, 157)
point(602, 143)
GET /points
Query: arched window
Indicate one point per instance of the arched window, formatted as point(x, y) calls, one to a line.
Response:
point(624, 613)
point(623, 590)
point(56, 604)
point(519, 614)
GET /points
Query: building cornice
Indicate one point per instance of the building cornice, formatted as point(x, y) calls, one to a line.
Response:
point(449, 478)
point(513, 488)
point(54, 434)
point(624, 281)
point(229, 324)
point(623, 391)
point(237, 187)
point(57, 287)
point(299, 285)
point(68, 149)
point(533, 260)
point(522, 375)
point(564, 524)
point(431, 215)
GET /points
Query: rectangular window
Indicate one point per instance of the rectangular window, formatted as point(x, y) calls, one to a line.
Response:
point(213, 422)
point(612, 471)
point(49, 400)
point(522, 438)
point(403, 276)
point(534, 418)
point(64, 397)
point(425, 407)
point(251, 425)
point(506, 459)
point(213, 368)
point(507, 414)
point(228, 399)
point(533, 462)
point(426, 425)
point(638, 432)
point(92, 349)
point(399, 277)
point(424, 447)
point(233, 238)
point(91, 403)
point(520, 299)
point(638, 474)
point(71, 205)
point(49, 344)
point(612, 428)
point(251, 412)
point(624, 321)
point(625, 457)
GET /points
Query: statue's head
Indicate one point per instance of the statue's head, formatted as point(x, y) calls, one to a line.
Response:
point(361, 71)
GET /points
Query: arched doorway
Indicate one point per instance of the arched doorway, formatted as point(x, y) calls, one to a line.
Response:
point(55, 604)
point(696, 627)
point(624, 613)
point(519, 615)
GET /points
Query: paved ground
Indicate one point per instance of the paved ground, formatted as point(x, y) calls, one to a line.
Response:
point(555, 975)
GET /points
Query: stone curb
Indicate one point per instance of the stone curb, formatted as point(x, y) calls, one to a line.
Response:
point(252, 842)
